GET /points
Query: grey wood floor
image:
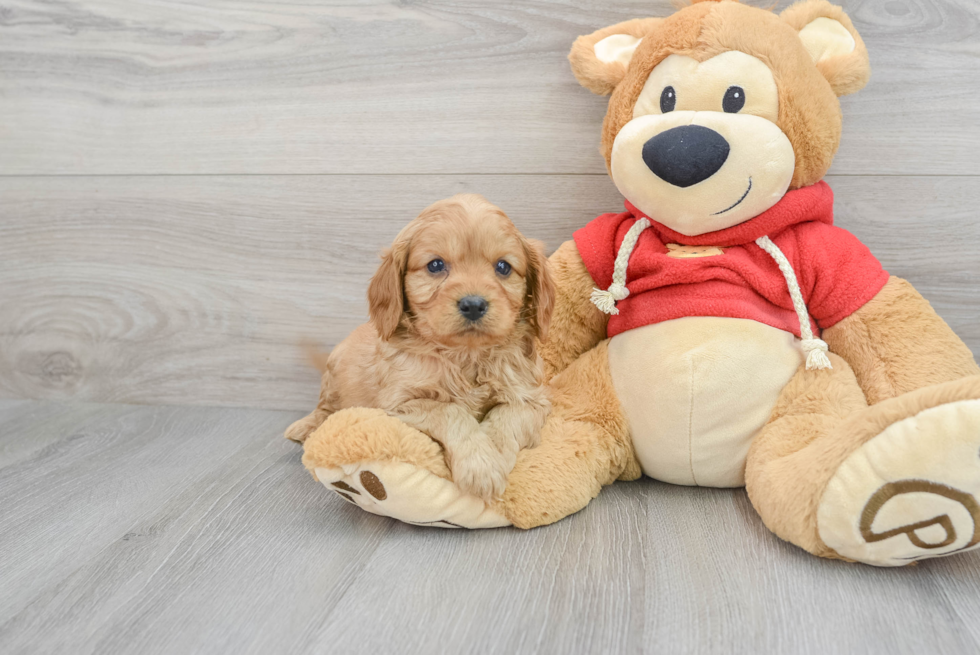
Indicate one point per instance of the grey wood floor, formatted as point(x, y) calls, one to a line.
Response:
point(129, 529)
point(188, 191)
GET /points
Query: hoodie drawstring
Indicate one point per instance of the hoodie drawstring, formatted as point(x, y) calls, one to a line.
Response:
point(606, 300)
point(815, 349)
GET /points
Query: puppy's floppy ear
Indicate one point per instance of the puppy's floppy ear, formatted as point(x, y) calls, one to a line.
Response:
point(834, 45)
point(540, 288)
point(599, 60)
point(386, 293)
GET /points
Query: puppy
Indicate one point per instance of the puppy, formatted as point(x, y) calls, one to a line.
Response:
point(456, 307)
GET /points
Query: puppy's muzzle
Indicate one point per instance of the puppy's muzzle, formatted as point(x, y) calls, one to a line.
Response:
point(473, 307)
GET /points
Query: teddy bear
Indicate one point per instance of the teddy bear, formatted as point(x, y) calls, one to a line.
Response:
point(721, 331)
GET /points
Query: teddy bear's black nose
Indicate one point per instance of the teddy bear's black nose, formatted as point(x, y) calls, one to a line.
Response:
point(685, 155)
point(473, 307)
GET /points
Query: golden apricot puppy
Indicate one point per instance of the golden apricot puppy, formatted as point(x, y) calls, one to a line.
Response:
point(456, 308)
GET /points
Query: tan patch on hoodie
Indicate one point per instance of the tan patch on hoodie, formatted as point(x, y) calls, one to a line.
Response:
point(677, 251)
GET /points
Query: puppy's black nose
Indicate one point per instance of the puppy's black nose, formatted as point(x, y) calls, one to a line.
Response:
point(473, 307)
point(685, 155)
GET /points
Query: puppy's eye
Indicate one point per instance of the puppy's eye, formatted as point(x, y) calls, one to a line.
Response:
point(436, 266)
point(668, 99)
point(503, 268)
point(734, 100)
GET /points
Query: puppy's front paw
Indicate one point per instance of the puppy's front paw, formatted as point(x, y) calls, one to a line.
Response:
point(532, 439)
point(480, 470)
point(301, 429)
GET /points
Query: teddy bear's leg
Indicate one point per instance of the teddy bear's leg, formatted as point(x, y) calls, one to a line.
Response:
point(782, 475)
point(923, 381)
point(897, 343)
point(884, 484)
point(585, 444)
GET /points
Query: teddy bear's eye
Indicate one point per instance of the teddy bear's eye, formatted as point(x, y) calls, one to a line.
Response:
point(668, 99)
point(734, 100)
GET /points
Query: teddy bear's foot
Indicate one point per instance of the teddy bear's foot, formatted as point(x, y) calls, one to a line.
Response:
point(387, 468)
point(410, 494)
point(909, 493)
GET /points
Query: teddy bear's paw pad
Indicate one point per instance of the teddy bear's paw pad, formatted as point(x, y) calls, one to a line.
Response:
point(909, 493)
point(410, 494)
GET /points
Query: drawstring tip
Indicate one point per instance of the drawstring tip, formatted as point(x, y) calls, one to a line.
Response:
point(816, 360)
point(816, 354)
point(606, 300)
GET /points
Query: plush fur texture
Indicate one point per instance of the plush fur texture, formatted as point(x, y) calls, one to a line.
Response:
point(813, 405)
point(585, 444)
point(845, 74)
point(596, 76)
point(473, 385)
point(578, 325)
point(822, 418)
point(361, 434)
point(897, 343)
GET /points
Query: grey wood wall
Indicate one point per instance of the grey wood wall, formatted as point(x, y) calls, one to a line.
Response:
point(189, 191)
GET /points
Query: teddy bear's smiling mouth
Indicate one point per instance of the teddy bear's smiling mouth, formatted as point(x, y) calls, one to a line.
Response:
point(744, 195)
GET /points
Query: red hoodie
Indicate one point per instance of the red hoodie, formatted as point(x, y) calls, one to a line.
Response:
point(837, 273)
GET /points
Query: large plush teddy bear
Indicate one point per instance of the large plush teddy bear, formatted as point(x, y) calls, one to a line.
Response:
point(721, 331)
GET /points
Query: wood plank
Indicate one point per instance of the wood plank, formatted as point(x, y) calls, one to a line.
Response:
point(251, 555)
point(250, 550)
point(84, 491)
point(449, 87)
point(30, 427)
point(199, 290)
point(11, 408)
point(646, 564)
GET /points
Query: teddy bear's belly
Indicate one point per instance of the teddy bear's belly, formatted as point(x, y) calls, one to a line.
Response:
point(697, 390)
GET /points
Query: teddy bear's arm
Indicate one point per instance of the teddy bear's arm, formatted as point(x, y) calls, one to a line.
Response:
point(576, 324)
point(585, 444)
point(517, 424)
point(477, 466)
point(896, 343)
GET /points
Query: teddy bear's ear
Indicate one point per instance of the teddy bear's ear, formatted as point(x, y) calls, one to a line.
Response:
point(599, 60)
point(833, 43)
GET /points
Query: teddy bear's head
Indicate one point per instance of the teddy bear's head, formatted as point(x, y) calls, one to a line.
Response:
point(719, 109)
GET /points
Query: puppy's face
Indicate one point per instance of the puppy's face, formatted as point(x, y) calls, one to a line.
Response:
point(463, 276)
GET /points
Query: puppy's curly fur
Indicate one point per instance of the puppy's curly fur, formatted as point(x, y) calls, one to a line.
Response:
point(475, 386)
